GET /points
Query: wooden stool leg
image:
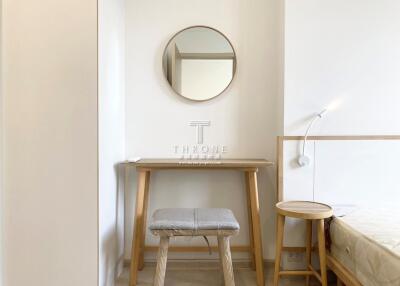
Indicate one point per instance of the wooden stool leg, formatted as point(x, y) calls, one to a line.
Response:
point(221, 255)
point(322, 251)
point(161, 261)
point(308, 247)
point(225, 256)
point(280, 224)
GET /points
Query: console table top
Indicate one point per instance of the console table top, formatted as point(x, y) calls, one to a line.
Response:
point(199, 163)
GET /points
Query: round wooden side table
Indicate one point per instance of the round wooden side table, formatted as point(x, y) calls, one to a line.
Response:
point(309, 211)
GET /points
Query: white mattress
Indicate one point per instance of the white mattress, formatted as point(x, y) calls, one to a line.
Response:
point(367, 242)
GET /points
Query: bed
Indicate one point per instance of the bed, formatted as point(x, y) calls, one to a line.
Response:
point(365, 241)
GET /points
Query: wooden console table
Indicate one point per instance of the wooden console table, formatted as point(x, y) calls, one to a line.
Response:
point(144, 168)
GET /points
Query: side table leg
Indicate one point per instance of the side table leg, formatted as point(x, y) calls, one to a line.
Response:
point(322, 251)
point(308, 247)
point(280, 226)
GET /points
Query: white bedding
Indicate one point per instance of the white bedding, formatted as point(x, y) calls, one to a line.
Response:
point(367, 242)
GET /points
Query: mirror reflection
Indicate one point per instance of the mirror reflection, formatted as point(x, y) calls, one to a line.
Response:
point(199, 63)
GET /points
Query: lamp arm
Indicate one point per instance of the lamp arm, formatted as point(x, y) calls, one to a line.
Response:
point(318, 116)
point(308, 131)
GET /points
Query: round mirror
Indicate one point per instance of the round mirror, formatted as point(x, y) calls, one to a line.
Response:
point(199, 63)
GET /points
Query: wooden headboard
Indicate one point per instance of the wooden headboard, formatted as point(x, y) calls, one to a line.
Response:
point(282, 139)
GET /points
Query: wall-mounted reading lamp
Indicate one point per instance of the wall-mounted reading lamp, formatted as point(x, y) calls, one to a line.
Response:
point(303, 159)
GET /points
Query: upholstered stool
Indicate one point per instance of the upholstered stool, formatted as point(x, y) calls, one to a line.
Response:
point(309, 211)
point(167, 223)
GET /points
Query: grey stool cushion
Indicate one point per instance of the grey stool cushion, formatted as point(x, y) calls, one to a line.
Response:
point(193, 219)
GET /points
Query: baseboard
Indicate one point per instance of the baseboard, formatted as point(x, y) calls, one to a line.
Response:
point(201, 263)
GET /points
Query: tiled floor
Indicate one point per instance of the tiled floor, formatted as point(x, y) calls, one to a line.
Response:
point(210, 276)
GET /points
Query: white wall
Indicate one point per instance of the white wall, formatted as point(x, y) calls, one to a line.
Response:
point(347, 51)
point(50, 164)
point(343, 53)
point(357, 172)
point(245, 118)
point(1, 145)
point(111, 137)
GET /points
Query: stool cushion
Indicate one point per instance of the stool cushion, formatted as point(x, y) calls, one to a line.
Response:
point(193, 219)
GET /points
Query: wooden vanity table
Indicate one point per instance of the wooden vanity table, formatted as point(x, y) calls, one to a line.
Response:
point(144, 168)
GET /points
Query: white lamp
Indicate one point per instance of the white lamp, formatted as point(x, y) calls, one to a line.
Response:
point(303, 159)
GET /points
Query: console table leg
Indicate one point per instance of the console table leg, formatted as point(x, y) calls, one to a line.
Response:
point(145, 204)
point(138, 225)
point(250, 221)
point(255, 216)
